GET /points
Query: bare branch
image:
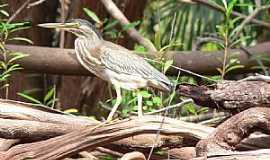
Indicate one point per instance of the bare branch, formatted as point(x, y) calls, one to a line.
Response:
point(236, 32)
point(219, 8)
point(234, 130)
point(133, 33)
point(63, 61)
point(18, 11)
point(171, 107)
point(133, 156)
point(38, 2)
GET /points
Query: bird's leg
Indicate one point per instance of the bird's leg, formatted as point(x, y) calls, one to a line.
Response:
point(140, 108)
point(117, 103)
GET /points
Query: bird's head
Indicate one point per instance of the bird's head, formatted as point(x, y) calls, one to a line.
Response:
point(79, 27)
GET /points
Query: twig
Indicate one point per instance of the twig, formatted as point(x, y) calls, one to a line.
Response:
point(214, 121)
point(108, 151)
point(171, 106)
point(257, 77)
point(248, 19)
point(203, 117)
point(184, 70)
point(133, 33)
point(257, 59)
point(88, 155)
point(18, 11)
point(234, 13)
point(35, 3)
point(63, 15)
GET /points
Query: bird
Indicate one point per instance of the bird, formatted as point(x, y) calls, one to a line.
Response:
point(111, 62)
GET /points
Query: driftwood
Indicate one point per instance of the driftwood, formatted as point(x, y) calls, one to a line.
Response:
point(234, 130)
point(30, 123)
point(62, 146)
point(230, 95)
point(52, 134)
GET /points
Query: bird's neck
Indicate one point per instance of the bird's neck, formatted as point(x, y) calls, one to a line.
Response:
point(90, 41)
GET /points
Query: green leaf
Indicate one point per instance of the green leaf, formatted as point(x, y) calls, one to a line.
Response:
point(149, 103)
point(234, 68)
point(3, 65)
point(219, 70)
point(3, 5)
point(32, 99)
point(4, 77)
point(110, 25)
point(230, 6)
point(167, 65)
point(21, 39)
point(191, 109)
point(49, 94)
point(157, 100)
point(131, 25)
point(50, 102)
point(5, 13)
point(92, 15)
point(145, 94)
point(140, 49)
point(16, 56)
point(225, 4)
point(12, 68)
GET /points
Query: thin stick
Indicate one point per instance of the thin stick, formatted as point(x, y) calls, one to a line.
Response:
point(183, 70)
point(248, 19)
point(35, 3)
point(234, 13)
point(18, 11)
point(171, 106)
point(132, 32)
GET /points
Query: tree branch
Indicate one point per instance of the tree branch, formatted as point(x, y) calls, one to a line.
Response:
point(234, 13)
point(132, 32)
point(63, 61)
point(234, 130)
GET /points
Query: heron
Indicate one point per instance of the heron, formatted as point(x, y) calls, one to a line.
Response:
point(111, 62)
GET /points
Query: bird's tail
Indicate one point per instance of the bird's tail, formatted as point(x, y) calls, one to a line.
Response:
point(163, 86)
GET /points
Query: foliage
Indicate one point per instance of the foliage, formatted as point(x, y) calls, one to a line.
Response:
point(108, 26)
point(48, 100)
point(9, 62)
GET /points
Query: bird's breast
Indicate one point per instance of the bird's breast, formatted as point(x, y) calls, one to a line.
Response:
point(126, 81)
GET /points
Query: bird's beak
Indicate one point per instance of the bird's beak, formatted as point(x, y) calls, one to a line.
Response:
point(65, 26)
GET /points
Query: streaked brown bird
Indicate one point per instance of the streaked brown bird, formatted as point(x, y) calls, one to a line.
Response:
point(111, 62)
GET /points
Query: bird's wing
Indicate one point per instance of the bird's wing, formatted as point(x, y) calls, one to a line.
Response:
point(122, 60)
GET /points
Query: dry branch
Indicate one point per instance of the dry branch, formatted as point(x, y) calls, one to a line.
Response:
point(234, 130)
point(234, 13)
point(25, 111)
point(22, 122)
point(5, 144)
point(263, 154)
point(62, 146)
point(132, 32)
point(62, 61)
point(230, 95)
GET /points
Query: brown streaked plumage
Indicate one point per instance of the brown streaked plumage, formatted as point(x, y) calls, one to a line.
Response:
point(111, 62)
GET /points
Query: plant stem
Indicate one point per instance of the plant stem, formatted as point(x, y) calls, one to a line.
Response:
point(225, 57)
point(6, 86)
